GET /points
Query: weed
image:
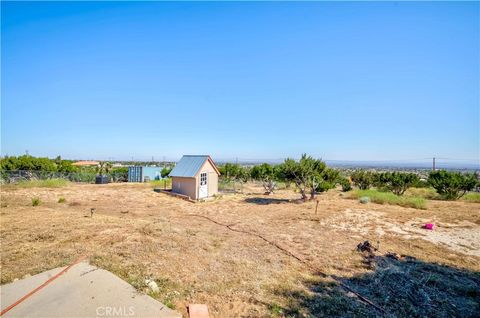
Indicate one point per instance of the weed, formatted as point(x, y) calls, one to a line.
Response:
point(61, 200)
point(276, 310)
point(36, 201)
point(169, 303)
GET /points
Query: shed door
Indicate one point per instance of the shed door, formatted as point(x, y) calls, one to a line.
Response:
point(203, 188)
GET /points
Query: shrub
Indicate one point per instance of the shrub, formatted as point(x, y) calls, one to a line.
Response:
point(36, 201)
point(452, 185)
point(390, 198)
point(364, 200)
point(61, 200)
point(396, 182)
point(363, 179)
point(346, 185)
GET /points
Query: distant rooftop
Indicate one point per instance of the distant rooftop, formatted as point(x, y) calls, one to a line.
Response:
point(85, 163)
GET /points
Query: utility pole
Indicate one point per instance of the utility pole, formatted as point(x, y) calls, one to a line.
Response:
point(433, 166)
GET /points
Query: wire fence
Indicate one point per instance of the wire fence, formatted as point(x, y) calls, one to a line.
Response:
point(230, 186)
point(15, 176)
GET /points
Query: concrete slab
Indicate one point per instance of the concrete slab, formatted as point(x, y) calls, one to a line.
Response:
point(83, 291)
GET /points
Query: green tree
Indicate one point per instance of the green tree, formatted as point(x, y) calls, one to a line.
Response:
point(396, 182)
point(234, 172)
point(103, 168)
point(363, 179)
point(28, 163)
point(308, 174)
point(267, 175)
point(64, 165)
point(452, 185)
point(165, 171)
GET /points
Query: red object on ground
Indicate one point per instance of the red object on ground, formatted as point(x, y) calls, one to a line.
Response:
point(429, 226)
point(197, 311)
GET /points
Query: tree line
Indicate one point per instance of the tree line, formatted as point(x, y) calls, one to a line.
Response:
point(311, 176)
point(308, 175)
point(62, 166)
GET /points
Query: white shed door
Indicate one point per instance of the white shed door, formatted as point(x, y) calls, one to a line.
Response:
point(203, 189)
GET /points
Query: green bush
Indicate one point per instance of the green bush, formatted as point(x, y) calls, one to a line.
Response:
point(363, 179)
point(396, 182)
point(390, 198)
point(36, 201)
point(452, 185)
point(346, 185)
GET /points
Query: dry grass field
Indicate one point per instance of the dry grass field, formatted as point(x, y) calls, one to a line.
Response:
point(250, 255)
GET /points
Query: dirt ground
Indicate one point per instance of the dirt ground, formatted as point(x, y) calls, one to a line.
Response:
point(251, 255)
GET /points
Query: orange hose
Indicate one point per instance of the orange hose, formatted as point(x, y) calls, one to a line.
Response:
point(81, 258)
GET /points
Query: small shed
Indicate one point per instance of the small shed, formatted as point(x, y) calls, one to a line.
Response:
point(195, 176)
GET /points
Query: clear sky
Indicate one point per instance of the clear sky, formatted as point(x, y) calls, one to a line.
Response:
point(351, 81)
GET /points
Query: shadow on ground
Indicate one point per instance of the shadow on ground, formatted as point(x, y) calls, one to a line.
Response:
point(266, 201)
point(402, 286)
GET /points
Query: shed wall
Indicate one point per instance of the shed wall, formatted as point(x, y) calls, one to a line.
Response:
point(185, 186)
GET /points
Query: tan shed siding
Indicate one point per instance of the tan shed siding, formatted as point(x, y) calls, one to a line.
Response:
point(212, 180)
point(185, 186)
point(212, 183)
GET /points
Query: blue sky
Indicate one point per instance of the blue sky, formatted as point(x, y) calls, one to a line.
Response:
point(351, 81)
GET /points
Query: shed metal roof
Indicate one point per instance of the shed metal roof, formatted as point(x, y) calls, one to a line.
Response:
point(189, 165)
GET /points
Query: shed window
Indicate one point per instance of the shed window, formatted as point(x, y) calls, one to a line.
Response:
point(203, 178)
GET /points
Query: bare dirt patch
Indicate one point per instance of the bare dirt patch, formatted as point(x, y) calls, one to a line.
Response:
point(138, 233)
